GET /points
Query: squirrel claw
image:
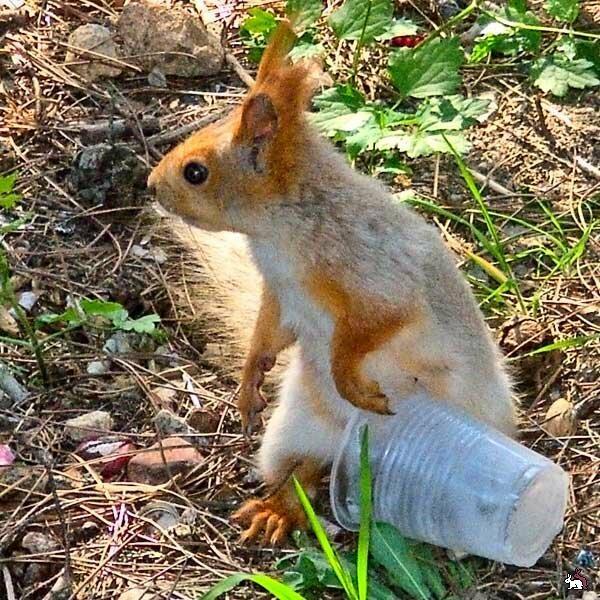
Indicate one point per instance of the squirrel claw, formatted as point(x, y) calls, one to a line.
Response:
point(269, 521)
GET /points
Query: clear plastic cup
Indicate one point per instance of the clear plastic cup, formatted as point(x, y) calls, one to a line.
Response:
point(442, 477)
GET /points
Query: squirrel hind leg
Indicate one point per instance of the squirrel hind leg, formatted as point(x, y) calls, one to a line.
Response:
point(300, 440)
point(271, 520)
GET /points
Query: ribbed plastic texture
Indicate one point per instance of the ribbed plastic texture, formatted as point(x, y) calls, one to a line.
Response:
point(442, 477)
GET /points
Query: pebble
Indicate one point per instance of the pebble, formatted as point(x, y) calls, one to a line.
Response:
point(170, 39)
point(98, 367)
point(89, 425)
point(97, 39)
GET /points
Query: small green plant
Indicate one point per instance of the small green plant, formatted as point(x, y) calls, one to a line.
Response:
point(8, 197)
point(88, 312)
point(384, 565)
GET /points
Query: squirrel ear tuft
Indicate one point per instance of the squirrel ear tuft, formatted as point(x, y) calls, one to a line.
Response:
point(259, 119)
point(276, 53)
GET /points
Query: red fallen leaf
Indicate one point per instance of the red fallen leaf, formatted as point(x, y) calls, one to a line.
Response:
point(110, 455)
point(406, 41)
point(7, 456)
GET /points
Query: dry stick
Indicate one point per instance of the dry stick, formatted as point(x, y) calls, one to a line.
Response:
point(175, 134)
point(97, 132)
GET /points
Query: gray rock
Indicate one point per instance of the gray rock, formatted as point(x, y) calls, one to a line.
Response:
point(96, 39)
point(170, 39)
point(108, 174)
point(97, 367)
point(88, 425)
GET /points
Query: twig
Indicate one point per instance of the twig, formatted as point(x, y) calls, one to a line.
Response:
point(162, 139)
point(235, 64)
point(94, 133)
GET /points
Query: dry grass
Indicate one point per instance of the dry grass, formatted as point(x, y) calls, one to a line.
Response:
point(69, 248)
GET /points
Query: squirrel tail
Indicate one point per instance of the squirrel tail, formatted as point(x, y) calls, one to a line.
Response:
point(224, 294)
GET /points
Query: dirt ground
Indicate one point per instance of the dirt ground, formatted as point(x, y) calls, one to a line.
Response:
point(73, 243)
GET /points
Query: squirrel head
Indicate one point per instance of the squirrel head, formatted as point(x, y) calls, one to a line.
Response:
point(234, 167)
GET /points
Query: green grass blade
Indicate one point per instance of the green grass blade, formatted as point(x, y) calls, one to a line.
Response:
point(366, 505)
point(341, 573)
point(280, 590)
point(574, 342)
point(492, 231)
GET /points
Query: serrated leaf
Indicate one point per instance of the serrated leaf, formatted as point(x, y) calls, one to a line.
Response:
point(9, 200)
point(7, 183)
point(341, 108)
point(259, 22)
point(113, 311)
point(145, 324)
point(556, 74)
point(563, 10)
point(363, 139)
point(398, 27)
point(431, 69)
point(391, 550)
point(348, 21)
point(422, 143)
point(303, 13)
point(450, 113)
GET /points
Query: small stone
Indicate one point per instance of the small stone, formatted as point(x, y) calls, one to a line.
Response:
point(98, 367)
point(560, 419)
point(96, 39)
point(155, 466)
point(38, 543)
point(164, 514)
point(27, 300)
point(119, 343)
point(170, 39)
point(108, 174)
point(589, 596)
point(204, 421)
point(156, 78)
point(89, 425)
point(18, 478)
point(169, 424)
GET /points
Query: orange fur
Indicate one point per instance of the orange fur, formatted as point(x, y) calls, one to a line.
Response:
point(273, 518)
point(268, 340)
point(359, 328)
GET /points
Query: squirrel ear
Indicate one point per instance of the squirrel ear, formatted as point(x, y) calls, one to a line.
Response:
point(259, 120)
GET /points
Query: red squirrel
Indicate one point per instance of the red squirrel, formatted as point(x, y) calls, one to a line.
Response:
point(358, 285)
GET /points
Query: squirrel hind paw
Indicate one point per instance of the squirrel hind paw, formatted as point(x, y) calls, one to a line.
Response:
point(269, 521)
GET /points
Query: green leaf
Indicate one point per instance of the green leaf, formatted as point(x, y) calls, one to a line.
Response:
point(591, 52)
point(391, 550)
point(9, 200)
point(303, 13)
point(563, 10)
point(431, 69)
point(341, 108)
point(363, 139)
point(259, 22)
point(423, 553)
point(450, 113)
point(7, 183)
point(145, 324)
point(556, 74)
point(398, 27)
point(422, 143)
point(277, 588)
point(373, 17)
point(113, 311)
point(341, 573)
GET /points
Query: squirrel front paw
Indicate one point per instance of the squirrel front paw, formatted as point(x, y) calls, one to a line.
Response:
point(365, 394)
point(250, 401)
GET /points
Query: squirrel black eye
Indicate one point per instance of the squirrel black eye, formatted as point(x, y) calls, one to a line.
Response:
point(195, 173)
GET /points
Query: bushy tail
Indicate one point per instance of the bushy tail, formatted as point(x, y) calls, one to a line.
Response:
point(225, 294)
